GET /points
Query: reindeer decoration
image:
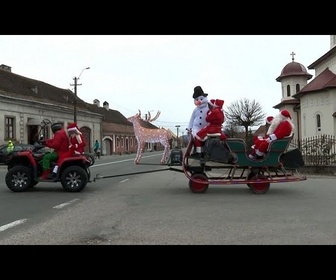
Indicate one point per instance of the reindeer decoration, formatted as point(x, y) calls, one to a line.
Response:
point(145, 135)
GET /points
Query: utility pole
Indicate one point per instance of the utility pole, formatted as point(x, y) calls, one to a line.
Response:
point(75, 89)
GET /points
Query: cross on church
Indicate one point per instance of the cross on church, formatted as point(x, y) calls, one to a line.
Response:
point(292, 54)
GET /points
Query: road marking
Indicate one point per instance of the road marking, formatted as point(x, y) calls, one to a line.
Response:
point(65, 204)
point(13, 224)
point(123, 181)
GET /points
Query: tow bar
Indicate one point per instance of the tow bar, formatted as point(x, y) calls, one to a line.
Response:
point(98, 176)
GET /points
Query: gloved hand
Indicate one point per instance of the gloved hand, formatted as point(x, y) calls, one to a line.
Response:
point(268, 140)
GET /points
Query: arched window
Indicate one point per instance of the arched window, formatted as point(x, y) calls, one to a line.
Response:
point(318, 122)
point(288, 91)
point(297, 88)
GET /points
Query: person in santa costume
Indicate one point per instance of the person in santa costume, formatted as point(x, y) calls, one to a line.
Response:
point(60, 145)
point(281, 126)
point(198, 117)
point(77, 141)
point(215, 118)
point(76, 144)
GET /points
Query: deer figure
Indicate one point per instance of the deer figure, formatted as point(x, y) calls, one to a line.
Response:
point(145, 135)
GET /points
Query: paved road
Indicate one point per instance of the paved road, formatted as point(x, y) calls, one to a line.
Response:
point(159, 209)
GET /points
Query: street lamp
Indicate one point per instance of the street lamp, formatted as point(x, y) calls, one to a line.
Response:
point(177, 132)
point(75, 84)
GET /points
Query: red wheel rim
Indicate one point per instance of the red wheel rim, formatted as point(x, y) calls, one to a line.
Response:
point(259, 188)
point(198, 183)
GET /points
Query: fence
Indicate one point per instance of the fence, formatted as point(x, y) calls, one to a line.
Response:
point(317, 150)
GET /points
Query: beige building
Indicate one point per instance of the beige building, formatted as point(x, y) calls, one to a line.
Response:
point(25, 103)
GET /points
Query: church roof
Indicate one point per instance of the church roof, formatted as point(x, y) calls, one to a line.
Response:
point(294, 69)
point(323, 58)
point(325, 80)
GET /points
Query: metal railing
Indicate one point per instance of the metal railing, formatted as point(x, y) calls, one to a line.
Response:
point(317, 150)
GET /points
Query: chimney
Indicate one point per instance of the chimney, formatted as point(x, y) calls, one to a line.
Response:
point(6, 68)
point(96, 102)
point(106, 105)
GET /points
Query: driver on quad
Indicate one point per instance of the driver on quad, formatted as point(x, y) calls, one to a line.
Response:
point(60, 145)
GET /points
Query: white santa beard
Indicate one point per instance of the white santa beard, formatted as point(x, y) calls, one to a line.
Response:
point(274, 124)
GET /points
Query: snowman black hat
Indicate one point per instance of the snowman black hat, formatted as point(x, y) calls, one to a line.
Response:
point(198, 91)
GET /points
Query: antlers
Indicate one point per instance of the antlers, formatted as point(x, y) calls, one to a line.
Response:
point(149, 119)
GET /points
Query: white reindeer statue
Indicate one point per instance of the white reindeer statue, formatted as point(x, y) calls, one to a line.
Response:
point(145, 135)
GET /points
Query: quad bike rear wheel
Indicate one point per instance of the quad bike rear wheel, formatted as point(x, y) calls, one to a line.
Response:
point(19, 178)
point(74, 179)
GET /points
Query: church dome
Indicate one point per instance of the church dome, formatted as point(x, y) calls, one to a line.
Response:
point(294, 69)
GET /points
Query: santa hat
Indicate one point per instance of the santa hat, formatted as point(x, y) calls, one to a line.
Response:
point(219, 103)
point(212, 102)
point(72, 127)
point(285, 114)
point(269, 119)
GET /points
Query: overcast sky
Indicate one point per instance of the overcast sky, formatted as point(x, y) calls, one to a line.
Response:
point(159, 72)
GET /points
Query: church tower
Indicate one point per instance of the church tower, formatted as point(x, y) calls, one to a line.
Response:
point(293, 78)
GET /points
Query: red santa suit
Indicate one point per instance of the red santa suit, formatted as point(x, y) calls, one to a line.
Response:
point(215, 118)
point(281, 126)
point(60, 144)
point(77, 141)
point(258, 138)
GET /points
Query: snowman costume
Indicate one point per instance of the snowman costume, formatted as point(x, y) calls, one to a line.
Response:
point(198, 116)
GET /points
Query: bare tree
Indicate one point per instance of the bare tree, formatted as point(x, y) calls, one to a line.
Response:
point(245, 113)
point(232, 130)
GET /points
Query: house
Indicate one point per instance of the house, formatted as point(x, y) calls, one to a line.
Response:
point(25, 103)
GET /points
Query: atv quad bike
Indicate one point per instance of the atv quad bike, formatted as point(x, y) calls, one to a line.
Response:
point(24, 169)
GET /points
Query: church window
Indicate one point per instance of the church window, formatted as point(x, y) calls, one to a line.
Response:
point(318, 122)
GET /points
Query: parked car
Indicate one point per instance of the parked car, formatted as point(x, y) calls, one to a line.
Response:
point(17, 147)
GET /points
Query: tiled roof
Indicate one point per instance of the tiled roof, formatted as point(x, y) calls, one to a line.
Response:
point(287, 102)
point(326, 56)
point(325, 80)
point(13, 85)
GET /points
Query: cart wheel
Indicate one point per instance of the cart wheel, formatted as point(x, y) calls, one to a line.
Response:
point(198, 187)
point(259, 188)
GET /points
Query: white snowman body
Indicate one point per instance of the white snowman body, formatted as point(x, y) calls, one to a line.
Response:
point(198, 116)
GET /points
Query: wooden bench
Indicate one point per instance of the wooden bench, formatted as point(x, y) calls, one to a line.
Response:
point(271, 158)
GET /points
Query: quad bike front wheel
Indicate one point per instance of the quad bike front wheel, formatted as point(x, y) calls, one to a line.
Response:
point(74, 179)
point(19, 178)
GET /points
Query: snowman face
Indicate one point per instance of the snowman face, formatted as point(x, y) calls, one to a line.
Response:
point(200, 100)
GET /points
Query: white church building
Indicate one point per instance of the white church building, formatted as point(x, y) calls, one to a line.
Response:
point(312, 105)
